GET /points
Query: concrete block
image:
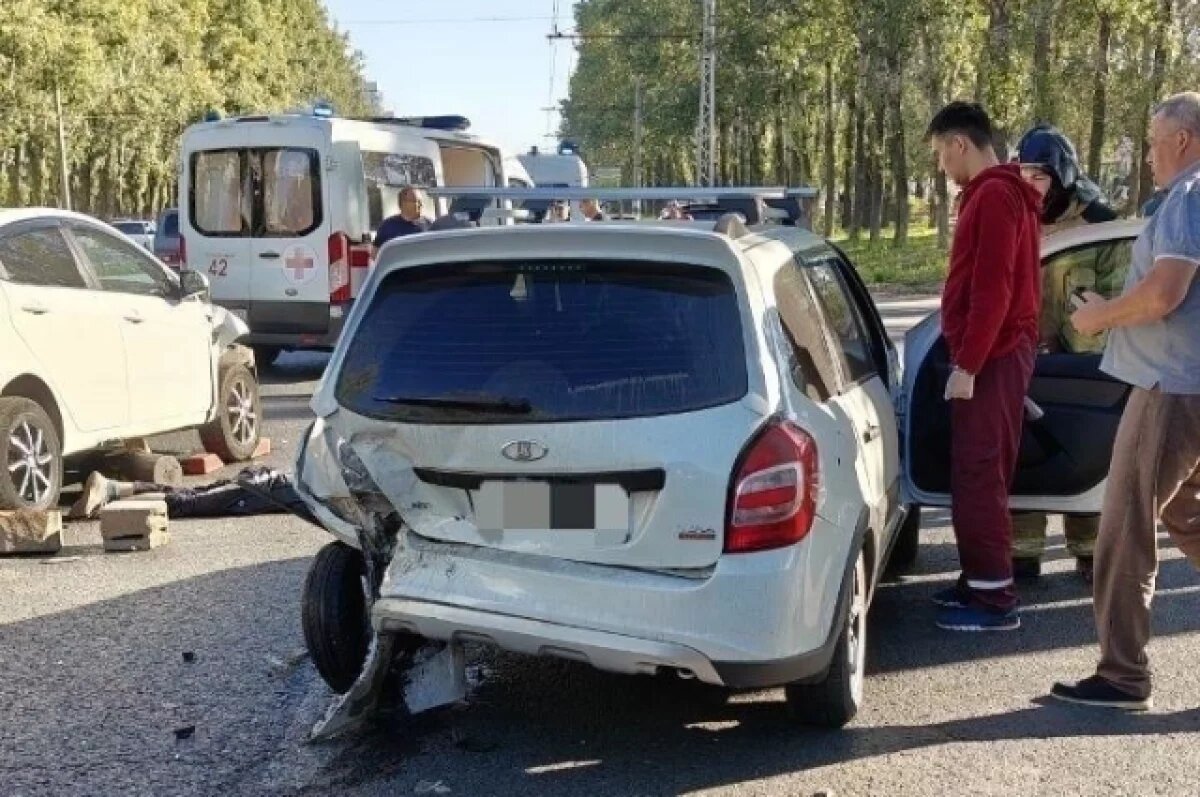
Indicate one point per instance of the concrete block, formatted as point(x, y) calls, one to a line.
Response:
point(134, 525)
point(28, 531)
point(127, 544)
point(263, 449)
point(202, 464)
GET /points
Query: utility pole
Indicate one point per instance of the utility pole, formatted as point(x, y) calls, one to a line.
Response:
point(706, 126)
point(637, 141)
point(65, 186)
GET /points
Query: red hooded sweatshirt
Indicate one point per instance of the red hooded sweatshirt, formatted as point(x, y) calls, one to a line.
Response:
point(993, 293)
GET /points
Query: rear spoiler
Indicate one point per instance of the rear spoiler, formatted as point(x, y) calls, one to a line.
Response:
point(756, 204)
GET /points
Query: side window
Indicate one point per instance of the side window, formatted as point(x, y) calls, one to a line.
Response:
point(40, 257)
point(291, 192)
point(121, 267)
point(220, 195)
point(1101, 268)
point(845, 324)
point(386, 173)
point(812, 366)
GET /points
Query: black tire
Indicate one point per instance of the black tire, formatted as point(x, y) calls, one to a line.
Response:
point(908, 542)
point(835, 700)
point(265, 356)
point(234, 433)
point(336, 628)
point(31, 461)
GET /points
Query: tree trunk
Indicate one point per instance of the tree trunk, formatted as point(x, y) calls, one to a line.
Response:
point(1099, 97)
point(848, 175)
point(995, 81)
point(1154, 88)
point(899, 151)
point(830, 153)
point(875, 222)
point(782, 174)
point(862, 197)
point(1045, 80)
point(938, 199)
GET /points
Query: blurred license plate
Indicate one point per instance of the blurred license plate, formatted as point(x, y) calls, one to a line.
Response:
point(533, 506)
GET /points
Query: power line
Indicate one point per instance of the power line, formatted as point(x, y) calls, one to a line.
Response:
point(444, 21)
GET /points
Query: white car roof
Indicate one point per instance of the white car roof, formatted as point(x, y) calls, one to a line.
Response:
point(14, 215)
point(1091, 234)
point(637, 240)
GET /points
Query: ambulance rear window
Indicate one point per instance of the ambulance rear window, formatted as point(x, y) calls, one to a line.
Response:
point(260, 193)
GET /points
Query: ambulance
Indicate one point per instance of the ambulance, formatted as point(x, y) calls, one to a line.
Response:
point(278, 211)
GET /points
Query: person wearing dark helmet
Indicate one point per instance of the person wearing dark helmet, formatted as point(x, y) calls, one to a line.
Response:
point(1050, 164)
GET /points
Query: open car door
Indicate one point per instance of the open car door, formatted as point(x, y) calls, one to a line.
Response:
point(1064, 457)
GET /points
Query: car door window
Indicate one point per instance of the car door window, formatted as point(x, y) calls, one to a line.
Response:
point(122, 267)
point(1099, 267)
point(40, 257)
point(812, 367)
point(851, 342)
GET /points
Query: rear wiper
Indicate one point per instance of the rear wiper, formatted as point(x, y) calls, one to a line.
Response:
point(502, 404)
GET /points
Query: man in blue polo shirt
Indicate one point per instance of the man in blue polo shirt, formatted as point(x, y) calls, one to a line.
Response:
point(407, 222)
point(1154, 345)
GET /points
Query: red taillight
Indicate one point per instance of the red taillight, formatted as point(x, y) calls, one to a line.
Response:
point(773, 500)
point(339, 268)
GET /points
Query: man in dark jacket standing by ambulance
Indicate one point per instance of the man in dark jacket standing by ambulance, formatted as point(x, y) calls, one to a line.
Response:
point(990, 308)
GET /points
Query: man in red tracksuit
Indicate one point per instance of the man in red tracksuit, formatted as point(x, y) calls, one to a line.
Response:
point(990, 309)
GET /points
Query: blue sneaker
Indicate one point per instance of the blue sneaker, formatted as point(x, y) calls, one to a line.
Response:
point(949, 598)
point(971, 618)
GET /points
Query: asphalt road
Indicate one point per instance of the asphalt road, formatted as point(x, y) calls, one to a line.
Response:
point(98, 698)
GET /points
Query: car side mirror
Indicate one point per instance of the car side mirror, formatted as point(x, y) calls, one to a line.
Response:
point(193, 284)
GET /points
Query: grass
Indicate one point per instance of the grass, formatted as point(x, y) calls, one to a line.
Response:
point(920, 263)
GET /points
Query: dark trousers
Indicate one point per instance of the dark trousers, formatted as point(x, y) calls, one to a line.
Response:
point(260, 491)
point(986, 437)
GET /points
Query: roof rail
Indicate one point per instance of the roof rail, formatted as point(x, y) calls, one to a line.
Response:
point(756, 204)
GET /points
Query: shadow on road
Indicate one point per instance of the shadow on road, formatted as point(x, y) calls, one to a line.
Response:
point(110, 677)
point(293, 367)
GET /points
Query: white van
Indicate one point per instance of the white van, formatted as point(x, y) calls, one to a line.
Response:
point(279, 211)
point(564, 169)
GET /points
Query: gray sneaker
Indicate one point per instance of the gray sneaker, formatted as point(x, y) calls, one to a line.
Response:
point(97, 493)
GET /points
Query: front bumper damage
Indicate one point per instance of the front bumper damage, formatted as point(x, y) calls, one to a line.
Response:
point(345, 499)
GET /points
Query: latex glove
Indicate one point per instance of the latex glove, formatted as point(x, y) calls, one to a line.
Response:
point(1089, 312)
point(960, 385)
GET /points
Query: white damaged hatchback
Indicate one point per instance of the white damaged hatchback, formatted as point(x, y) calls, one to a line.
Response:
point(651, 448)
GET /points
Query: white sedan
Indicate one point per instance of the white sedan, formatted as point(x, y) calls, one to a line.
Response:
point(103, 343)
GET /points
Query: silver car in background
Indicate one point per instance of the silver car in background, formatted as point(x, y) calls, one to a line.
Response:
point(139, 231)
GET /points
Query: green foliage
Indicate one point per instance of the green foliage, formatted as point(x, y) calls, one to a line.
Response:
point(894, 62)
point(919, 264)
point(133, 73)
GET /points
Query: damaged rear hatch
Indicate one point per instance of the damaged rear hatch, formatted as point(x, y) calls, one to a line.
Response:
point(572, 395)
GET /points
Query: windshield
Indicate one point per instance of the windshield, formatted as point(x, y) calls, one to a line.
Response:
point(562, 340)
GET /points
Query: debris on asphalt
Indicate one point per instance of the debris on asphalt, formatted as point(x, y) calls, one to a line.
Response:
point(134, 525)
point(30, 531)
point(281, 666)
point(62, 560)
point(189, 656)
point(186, 732)
point(432, 787)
